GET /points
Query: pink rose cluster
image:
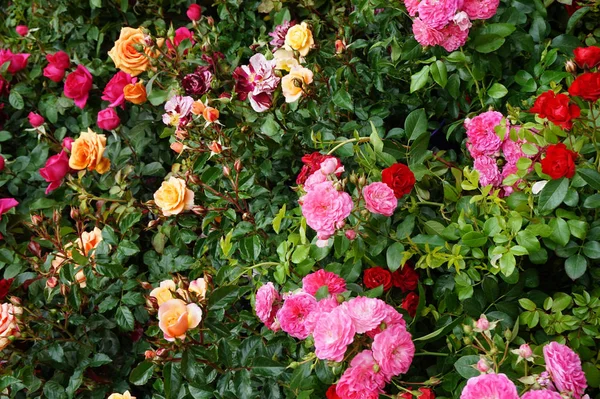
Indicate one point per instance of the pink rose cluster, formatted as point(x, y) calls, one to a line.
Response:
point(334, 323)
point(446, 22)
point(487, 149)
point(564, 377)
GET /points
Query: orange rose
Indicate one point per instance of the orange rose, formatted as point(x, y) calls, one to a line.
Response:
point(164, 292)
point(175, 318)
point(210, 114)
point(198, 107)
point(124, 54)
point(135, 93)
point(173, 197)
point(87, 152)
point(8, 323)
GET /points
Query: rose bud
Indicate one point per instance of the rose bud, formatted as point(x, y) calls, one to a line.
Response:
point(210, 21)
point(194, 12)
point(2, 163)
point(146, 285)
point(15, 300)
point(483, 366)
point(108, 119)
point(226, 171)
point(198, 107)
point(210, 114)
point(22, 30)
point(237, 165)
point(36, 219)
point(177, 147)
point(339, 46)
point(149, 355)
point(67, 143)
point(482, 324)
point(35, 248)
point(51, 282)
point(351, 235)
point(571, 66)
point(215, 147)
point(36, 120)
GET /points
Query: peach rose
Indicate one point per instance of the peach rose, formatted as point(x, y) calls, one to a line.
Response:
point(135, 93)
point(175, 318)
point(299, 38)
point(292, 83)
point(87, 152)
point(8, 323)
point(198, 287)
point(89, 240)
point(210, 114)
point(198, 107)
point(124, 54)
point(284, 60)
point(164, 292)
point(173, 197)
point(125, 395)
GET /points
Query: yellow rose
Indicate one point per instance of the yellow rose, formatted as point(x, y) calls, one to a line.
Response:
point(87, 152)
point(292, 83)
point(284, 60)
point(173, 197)
point(164, 292)
point(175, 317)
point(299, 38)
point(124, 54)
point(135, 93)
point(125, 395)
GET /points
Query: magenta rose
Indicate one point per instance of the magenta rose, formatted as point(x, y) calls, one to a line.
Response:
point(59, 59)
point(113, 92)
point(67, 143)
point(380, 198)
point(78, 85)
point(17, 61)
point(55, 74)
point(2, 163)
point(108, 119)
point(22, 30)
point(36, 120)
point(194, 12)
point(180, 35)
point(56, 168)
point(7, 204)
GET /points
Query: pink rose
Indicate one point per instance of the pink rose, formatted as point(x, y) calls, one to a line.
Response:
point(565, 369)
point(2, 163)
point(333, 332)
point(8, 323)
point(393, 349)
point(180, 35)
point(380, 199)
point(482, 324)
point(425, 34)
point(542, 394)
point(78, 85)
point(361, 380)
point(175, 318)
point(454, 36)
point(54, 73)
point(108, 119)
point(67, 143)
point(18, 62)
point(7, 204)
point(324, 306)
point(462, 20)
point(392, 318)
point(480, 9)
point(366, 313)
point(350, 234)
point(312, 282)
point(113, 92)
point(437, 13)
point(292, 315)
point(483, 366)
point(483, 139)
point(412, 6)
point(488, 171)
point(325, 208)
point(36, 120)
point(56, 168)
point(525, 351)
point(22, 30)
point(268, 302)
point(194, 12)
point(59, 59)
point(489, 386)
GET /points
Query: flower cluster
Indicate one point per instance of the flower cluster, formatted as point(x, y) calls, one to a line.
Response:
point(320, 309)
point(446, 22)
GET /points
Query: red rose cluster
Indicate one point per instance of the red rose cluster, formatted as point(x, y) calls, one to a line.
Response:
point(405, 278)
point(556, 108)
point(587, 85)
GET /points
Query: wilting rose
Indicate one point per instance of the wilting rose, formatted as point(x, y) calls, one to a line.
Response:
point(173, 197)
point(124, 54)
point(164, 292)
point(175, 318)
point(36, 120)
point(299, 38)
point(197, 83)
point(8, 323)
point(114, 90)
point(108, 119)
point(56, 168)
point(198, 287)
point(7, 204)
point(135, 93)
point(22, 30)
point(78, 85)
point(194, 12)
point(87, 152)
point(125, 395)
point(17, 62)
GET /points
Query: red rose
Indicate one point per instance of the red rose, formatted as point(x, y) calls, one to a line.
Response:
point(556, 108)
point(331, 393)
point(108, 119)
point(16, 62)
point(56, 168)
point(399, 178)
point(405, 395)
point(54, 73)
point(586, 86)
point(559, 161)
point(573, 7)
point(78, 85)
point(194, 12)
point(376, 276)
point(5, 287)
point(59, 59)
point(2, 163)
point(587, 57)
point(426, 393)
point(406, 278)
point(113, 92)
point(312, 163)
point(4, 87)
point(410, 304)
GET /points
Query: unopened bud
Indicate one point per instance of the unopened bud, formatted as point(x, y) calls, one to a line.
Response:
point(177, 147)
point(237, 165)
point(199, 210)
point(483, 366)
point(507, 334)
point(210, 114)
point(340, 298)
point(146, 285)
point(362, 181)
point(152, 223)
point(35, 248)
point(51, 282)
point(467, 329)
point(56, 217)
point(138, 47)
point(162, 352)
point(152, 302)
point(15, 300)
point(36, 219)
point(64, 289)
point(148, 41)
point(351, 235)
point(467, 340)
point(571, 66)
point(226, 171)
point(149, 355)
point(215, 147)
point(340, 46)
point(353, 178)
point(210, 21)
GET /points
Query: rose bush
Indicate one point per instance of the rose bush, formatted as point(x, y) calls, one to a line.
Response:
point(349, 199)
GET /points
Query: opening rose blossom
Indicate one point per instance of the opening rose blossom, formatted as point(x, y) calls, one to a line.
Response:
point(125, 395)
point(22, 30)
point(9, 327)
point(135, 93)
point(36, 120)
point(78, 85)
point(108, 119)
point(175, 318)
point(194, 12)
point(17, 62)
point(299, 38)
point(164, 292)
point(56, 168)
point(198, 287)
point(173, 197)
point(114, 90)
point(6, 204)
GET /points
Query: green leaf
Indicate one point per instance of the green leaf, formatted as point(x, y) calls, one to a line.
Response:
point(419, 79)
point(278, 218)
point(575, 266)
point(142, 373)
point(527, 304)
point(591, 249)
point(576, 17)
point(591, 176)
point(474, 239)
point(125, 318)
point(553, 194)
point(488, 43)
point(342, 99)
point(375, 140)
point(465, 366)
point(394, 255)
point(266, 367)
point(497, 90)
point(592, 202)
point(16, 100)
point(415, 124)
point(439, 73)
point(560, 231)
